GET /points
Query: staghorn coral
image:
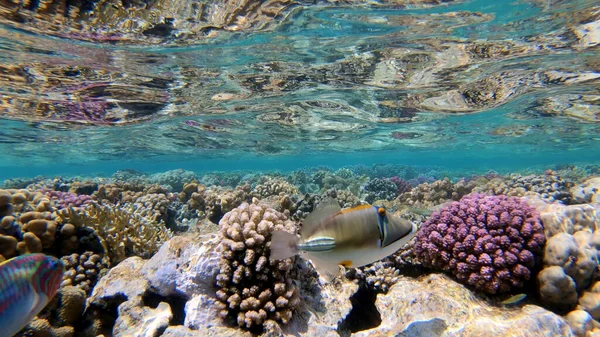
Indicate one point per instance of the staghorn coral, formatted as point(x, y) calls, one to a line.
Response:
point(489, 242)
point(253, 289)
point(121, 232)
point(84, 270)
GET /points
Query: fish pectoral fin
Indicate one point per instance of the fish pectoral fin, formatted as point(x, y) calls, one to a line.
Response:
point(327, 269)
point(326, 209)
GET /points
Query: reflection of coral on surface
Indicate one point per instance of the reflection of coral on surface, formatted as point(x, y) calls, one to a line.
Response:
point(489, 242)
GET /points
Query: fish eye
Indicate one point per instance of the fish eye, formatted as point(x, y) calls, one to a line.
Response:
point(381, 211)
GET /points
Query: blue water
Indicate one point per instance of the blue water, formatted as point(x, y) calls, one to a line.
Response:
point(318, 85)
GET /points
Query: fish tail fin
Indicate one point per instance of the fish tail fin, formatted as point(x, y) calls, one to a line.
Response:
point(283, 245)
point(328, 270)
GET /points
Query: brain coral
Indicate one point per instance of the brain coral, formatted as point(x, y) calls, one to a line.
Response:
point(253, 289)
point(492, 243)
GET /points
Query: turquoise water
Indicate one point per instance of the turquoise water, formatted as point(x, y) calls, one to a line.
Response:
point(357, 83)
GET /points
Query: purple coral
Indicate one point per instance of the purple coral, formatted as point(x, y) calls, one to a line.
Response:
point(489, 242)
point(403, 185)
point(68, 199)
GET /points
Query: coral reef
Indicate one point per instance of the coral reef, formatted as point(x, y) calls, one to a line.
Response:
point(103, 228)
point(253, 289)
point(427, 195)
point(215, 201)
point(549, 186)
point(489, 242)
point(84, 270)
point(175, 179)
point(61, 315)
point(121, 231)
point(273, 187)
point(68, 199)
point(379, 189)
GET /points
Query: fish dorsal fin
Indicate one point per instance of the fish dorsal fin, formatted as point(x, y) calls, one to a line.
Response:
point(326, 209)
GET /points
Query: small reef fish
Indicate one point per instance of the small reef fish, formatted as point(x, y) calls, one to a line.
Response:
point(514, 299)
point(27, 284)
point(354, 237)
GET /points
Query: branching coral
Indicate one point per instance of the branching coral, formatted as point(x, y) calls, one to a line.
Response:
point(253, 289)
point(492, 243)
point(122, 232)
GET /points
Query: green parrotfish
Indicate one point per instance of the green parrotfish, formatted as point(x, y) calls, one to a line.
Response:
point(353, 237)
point(27, 284)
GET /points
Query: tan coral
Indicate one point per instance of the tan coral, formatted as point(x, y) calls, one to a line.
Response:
point(252, 288)
point(122, 232)
point(428, 195)
point(274, 186)
point(84, 270)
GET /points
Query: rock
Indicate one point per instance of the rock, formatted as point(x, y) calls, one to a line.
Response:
point(434, 305)
point(589, 190)
point(125, 279)
point(201, 313)
point(136, 320)
point(320, 315)
point(181, 331)
point(184, 265)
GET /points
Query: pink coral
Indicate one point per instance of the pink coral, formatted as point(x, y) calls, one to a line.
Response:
point(492, 243)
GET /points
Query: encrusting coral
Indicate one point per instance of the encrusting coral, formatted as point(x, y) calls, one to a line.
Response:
point(253, 289)
point(492, 243)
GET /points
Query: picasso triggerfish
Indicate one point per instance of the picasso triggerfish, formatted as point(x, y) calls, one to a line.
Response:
point(353, 237)
point(27, 284)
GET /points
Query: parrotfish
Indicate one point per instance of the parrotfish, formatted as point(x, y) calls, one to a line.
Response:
point(27, 284)
point(353, 237)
